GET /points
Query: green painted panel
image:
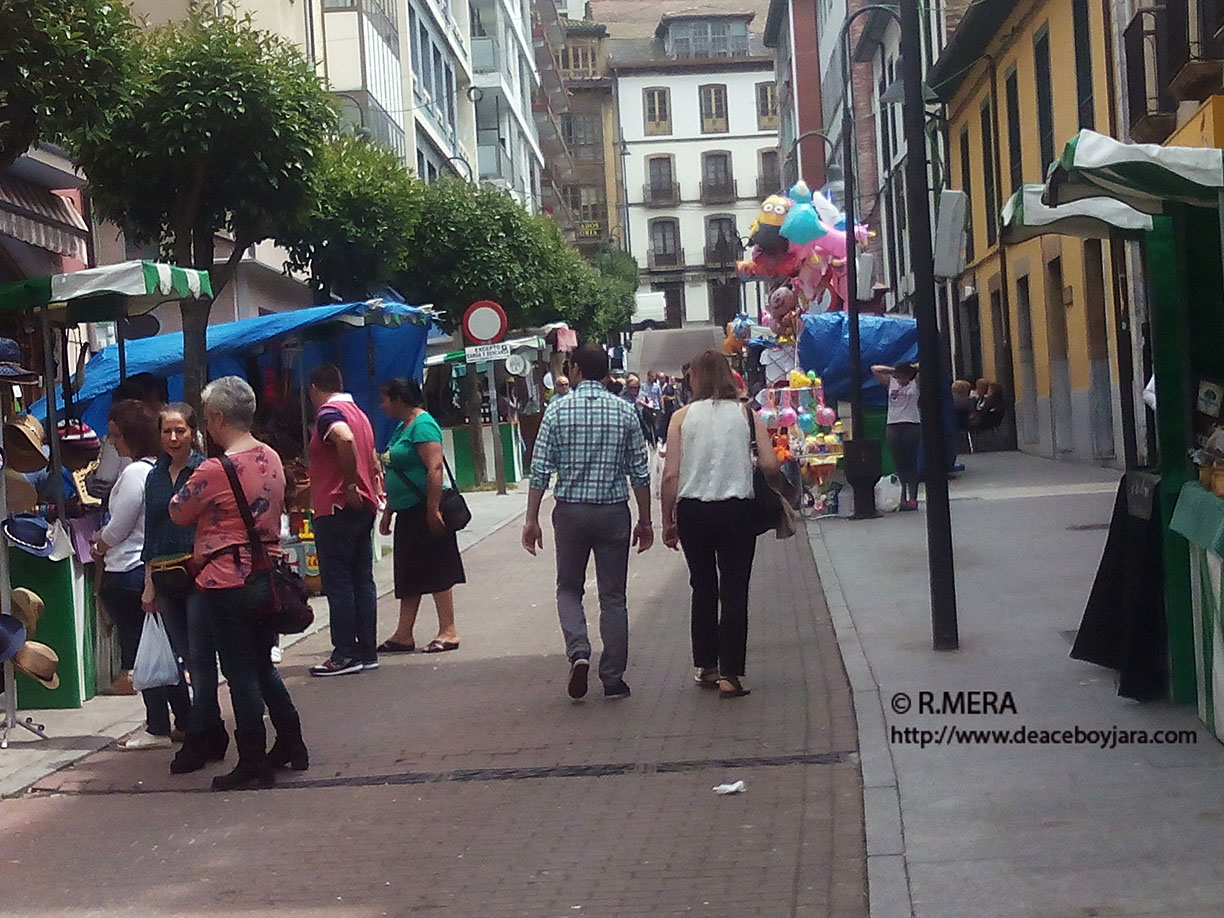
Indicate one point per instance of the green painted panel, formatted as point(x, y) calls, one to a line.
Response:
point(52, 580)
point(875, 425)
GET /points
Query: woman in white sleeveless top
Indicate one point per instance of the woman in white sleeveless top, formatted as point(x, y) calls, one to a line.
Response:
point(707, 492)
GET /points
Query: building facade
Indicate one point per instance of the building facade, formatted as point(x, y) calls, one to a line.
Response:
point(698, 115)
point(790, 32)
point(1039, 317)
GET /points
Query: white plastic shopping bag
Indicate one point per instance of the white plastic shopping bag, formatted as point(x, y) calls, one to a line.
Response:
point(888, 494)
point(156, 663)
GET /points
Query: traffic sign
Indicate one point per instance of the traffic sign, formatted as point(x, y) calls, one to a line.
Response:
point(485, 352)
point(485, 322)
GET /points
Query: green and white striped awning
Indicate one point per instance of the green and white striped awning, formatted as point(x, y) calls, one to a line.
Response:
point(1144, 175)
point(101, 294)
point(1026, 217)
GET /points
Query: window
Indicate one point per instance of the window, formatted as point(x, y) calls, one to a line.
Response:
point(583, 134)
point(1045, 97)
point(578, 59)
point(1083, 62)
point(721, 229)
point(771, 178)
point(767, 106)
point(657, 104)
point(705, 38)
point(477, 26)
point(661, 183)
point(412, 37)
point(988, 173)
point(900, 208)
point(439, 75)
point(713, 108)
point(967, 187)
point(885, 122)
point(588, 205)
point(665, 244)
point(716, 169)
point(426, 70)
point(1014, 132)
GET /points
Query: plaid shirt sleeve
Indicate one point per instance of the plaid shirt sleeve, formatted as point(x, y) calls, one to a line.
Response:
point(637, 460)
point(543, 462)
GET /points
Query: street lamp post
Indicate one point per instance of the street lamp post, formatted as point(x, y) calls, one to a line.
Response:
point(471, 176)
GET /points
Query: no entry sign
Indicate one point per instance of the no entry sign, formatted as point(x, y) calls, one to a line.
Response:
point(484, 322)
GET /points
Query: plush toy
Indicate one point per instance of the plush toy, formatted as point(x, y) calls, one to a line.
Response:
point(732, 344)
point(783, 308)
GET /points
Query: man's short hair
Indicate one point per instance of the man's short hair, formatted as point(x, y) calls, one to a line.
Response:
point(592, 361)
point(326, 378)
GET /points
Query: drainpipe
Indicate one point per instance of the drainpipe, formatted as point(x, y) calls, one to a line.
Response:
point(1008, 369)
point(1117, 265)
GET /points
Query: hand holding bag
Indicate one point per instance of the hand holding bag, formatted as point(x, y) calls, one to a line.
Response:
point(156, 664)
point(766, 511)
point(276, 594)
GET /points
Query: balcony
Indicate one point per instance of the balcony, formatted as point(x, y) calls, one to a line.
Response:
point(496, 165)
point(767, 185)
point(485, 55)
point(1195, 56)
point(720, 192)
point(723, 254)
point(1153, 113)
point(665, 261)
point(661, 194)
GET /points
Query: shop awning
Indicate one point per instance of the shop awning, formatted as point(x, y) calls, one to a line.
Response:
point(1026, 217)
point(1142, 175)
point(41, 218)
point(102, 294)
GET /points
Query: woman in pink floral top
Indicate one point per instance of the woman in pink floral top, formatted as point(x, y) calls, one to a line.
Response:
point(221, 546)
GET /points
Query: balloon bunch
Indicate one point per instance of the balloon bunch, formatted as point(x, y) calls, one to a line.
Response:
point(803, 427)
point(800, 239)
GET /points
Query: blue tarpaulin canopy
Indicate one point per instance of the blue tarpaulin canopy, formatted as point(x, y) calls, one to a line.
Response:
point(824, 346)
point(370, 344)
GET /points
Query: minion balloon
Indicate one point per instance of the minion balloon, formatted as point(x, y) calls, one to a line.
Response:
point(765, 230)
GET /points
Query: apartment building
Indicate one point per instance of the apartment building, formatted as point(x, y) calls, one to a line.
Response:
point(697, 108)
point(791, 33)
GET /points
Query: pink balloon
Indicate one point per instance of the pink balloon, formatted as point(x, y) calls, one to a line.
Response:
point(826, 416)
point(787, 417)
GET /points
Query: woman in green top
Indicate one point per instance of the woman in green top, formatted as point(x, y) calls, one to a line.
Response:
point(426, 552)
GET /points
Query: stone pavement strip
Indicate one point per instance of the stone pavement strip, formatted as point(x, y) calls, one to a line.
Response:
point(466, 783)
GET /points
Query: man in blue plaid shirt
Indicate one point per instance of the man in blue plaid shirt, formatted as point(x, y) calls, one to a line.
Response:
point(591, 440)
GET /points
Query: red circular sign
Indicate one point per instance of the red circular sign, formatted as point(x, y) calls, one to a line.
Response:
point(484, 322)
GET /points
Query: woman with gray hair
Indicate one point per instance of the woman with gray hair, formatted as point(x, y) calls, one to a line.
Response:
point(223, 553)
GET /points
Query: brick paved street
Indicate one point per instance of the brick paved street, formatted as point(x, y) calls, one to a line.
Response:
point(467, 783)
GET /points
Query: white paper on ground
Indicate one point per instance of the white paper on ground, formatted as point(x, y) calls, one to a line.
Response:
point(737, 788)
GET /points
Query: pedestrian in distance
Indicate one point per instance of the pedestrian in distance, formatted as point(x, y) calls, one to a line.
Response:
point(561, 387)
point(707, 507)
point(426, 555)
point(345, 491)
point(904, 425)
point(170, 591)
point(591, 441)
point(133, 432)
point(224, 557)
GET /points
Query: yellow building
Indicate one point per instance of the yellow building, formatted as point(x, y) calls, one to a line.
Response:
point(1040, 317)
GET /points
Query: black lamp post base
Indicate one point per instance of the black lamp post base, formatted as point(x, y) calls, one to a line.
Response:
point(863, 463)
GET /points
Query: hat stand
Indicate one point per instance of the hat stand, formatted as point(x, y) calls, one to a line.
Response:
point(6, 607)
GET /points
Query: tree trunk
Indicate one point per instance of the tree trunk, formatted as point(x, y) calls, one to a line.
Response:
point(195, 350)
point(471, 401)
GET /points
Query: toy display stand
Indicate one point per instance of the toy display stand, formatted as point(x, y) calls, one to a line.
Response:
point(806, 431)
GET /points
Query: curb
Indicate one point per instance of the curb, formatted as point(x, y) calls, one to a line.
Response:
point(888, 884)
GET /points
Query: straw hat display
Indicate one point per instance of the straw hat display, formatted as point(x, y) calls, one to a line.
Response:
point(23, 440)
point(28, 608)
point(20, 493)
point(39, 662)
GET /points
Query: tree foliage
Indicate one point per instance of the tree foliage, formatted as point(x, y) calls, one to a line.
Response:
point(219, 130)
point(63, 68)
point(364, 208)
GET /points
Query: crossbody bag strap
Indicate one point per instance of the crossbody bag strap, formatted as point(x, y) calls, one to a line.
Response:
point(753, 449)
point(259, 554)
point(408, 481)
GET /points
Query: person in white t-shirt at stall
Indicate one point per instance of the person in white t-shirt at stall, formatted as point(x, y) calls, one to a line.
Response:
point(904, 430)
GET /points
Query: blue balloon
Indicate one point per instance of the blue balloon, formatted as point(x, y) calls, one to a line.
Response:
point(802, 225)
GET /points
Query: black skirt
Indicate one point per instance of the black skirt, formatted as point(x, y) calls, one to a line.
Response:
point(424, 564)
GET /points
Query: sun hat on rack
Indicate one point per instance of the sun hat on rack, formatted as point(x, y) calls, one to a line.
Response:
point(20, 494)
point(39, 662)
point(10, 363)
point(12, 636)
point(24, 439)
point(29, 532)
point(28, 608)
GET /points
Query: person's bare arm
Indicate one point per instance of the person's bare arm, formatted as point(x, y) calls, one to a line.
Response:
point(671, 480)
point(882, 372)
point(431, 458)
point(533, 536)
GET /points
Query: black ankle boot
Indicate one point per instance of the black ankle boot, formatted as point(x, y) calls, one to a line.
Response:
point(253, 768)
point(192, 756)
point(216, 742)
point(289, 751)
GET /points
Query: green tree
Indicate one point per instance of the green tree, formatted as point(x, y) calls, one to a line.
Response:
point(363, 211)
point(63, 68)
point(218, 135)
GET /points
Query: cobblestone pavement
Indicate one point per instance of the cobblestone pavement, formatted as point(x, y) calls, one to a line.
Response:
point(466, 783)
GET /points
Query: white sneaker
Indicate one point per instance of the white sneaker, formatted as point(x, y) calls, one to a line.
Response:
point(277, 653)
point(146, 740)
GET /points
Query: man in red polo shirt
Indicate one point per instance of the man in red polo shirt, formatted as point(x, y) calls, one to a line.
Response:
point(345, 487)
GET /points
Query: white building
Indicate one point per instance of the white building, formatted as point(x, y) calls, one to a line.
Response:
point(698, 117)
point(442, 138)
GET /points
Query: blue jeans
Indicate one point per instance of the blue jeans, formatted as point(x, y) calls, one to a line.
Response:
point(245, 649)
point(120, 594)
point(344, 541)
point(191, 636)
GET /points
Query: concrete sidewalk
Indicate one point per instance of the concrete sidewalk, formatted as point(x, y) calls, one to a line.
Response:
point(77, 732)
point(1013, 830)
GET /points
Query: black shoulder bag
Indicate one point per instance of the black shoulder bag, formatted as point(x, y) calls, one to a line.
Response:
point(276, 594)
point(454, 509)
point(766, 510)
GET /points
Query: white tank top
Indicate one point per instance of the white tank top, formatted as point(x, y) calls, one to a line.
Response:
point(714, 460)
point(903, 402)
